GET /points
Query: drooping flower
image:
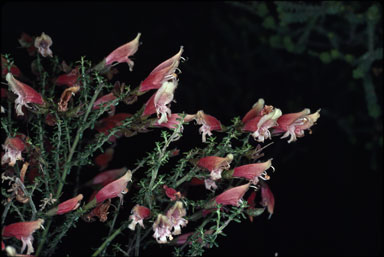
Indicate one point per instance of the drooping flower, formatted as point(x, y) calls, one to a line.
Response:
point(253, 172)
point(13, 147)
point(165, 71)
point(13, 69)
point(114, 189)
point(67, 206)
point(160, 100)
point(100, 211)
point(69, 79)
point(122, 53)
point(175, 216)
point(103, 159)
point(66, 96)
point(162, 228)
point(267, 198)
point(215, 165)
point(232, 196)
point(107, 177)
point(260, 119)
point(26, 94)
point(172, 193)
point(208, 122)
point(139, 213)
point(23, 231)
point(294, 124)
point(43, 44)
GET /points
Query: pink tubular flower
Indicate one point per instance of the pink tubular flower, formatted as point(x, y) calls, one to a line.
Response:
point(208, 122)
point(103, 159)
point(267, 198)
point(123, 53)
point(160, 100)
point(294, 124)
point(232, 196)
point(25, 93)
point(162, 228)
point(215, 164)
point(67, 206)
point(107, 177)
point(139, 213)
point(23, 231)
point(13, 147)
point(253, 172)
point(162, 73)
point(172, 193)
point(43, 43)
point(69, 79)
point(114, 189)
point(175, 216)
point(260, 119)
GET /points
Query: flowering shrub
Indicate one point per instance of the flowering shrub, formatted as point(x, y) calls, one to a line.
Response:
point(73, 125)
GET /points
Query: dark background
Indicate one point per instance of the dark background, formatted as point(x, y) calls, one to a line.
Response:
point(328, 188)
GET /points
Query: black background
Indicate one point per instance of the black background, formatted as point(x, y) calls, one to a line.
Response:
point(328, 198)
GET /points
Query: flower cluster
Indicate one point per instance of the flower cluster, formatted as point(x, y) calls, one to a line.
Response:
point(57, 129)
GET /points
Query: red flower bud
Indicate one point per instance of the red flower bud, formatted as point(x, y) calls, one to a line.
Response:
point(232, 196)
point(122, 53)
point(162, 73)
point(253, 171)
point(107, 177)
point(67, 206)
point(114, 189)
